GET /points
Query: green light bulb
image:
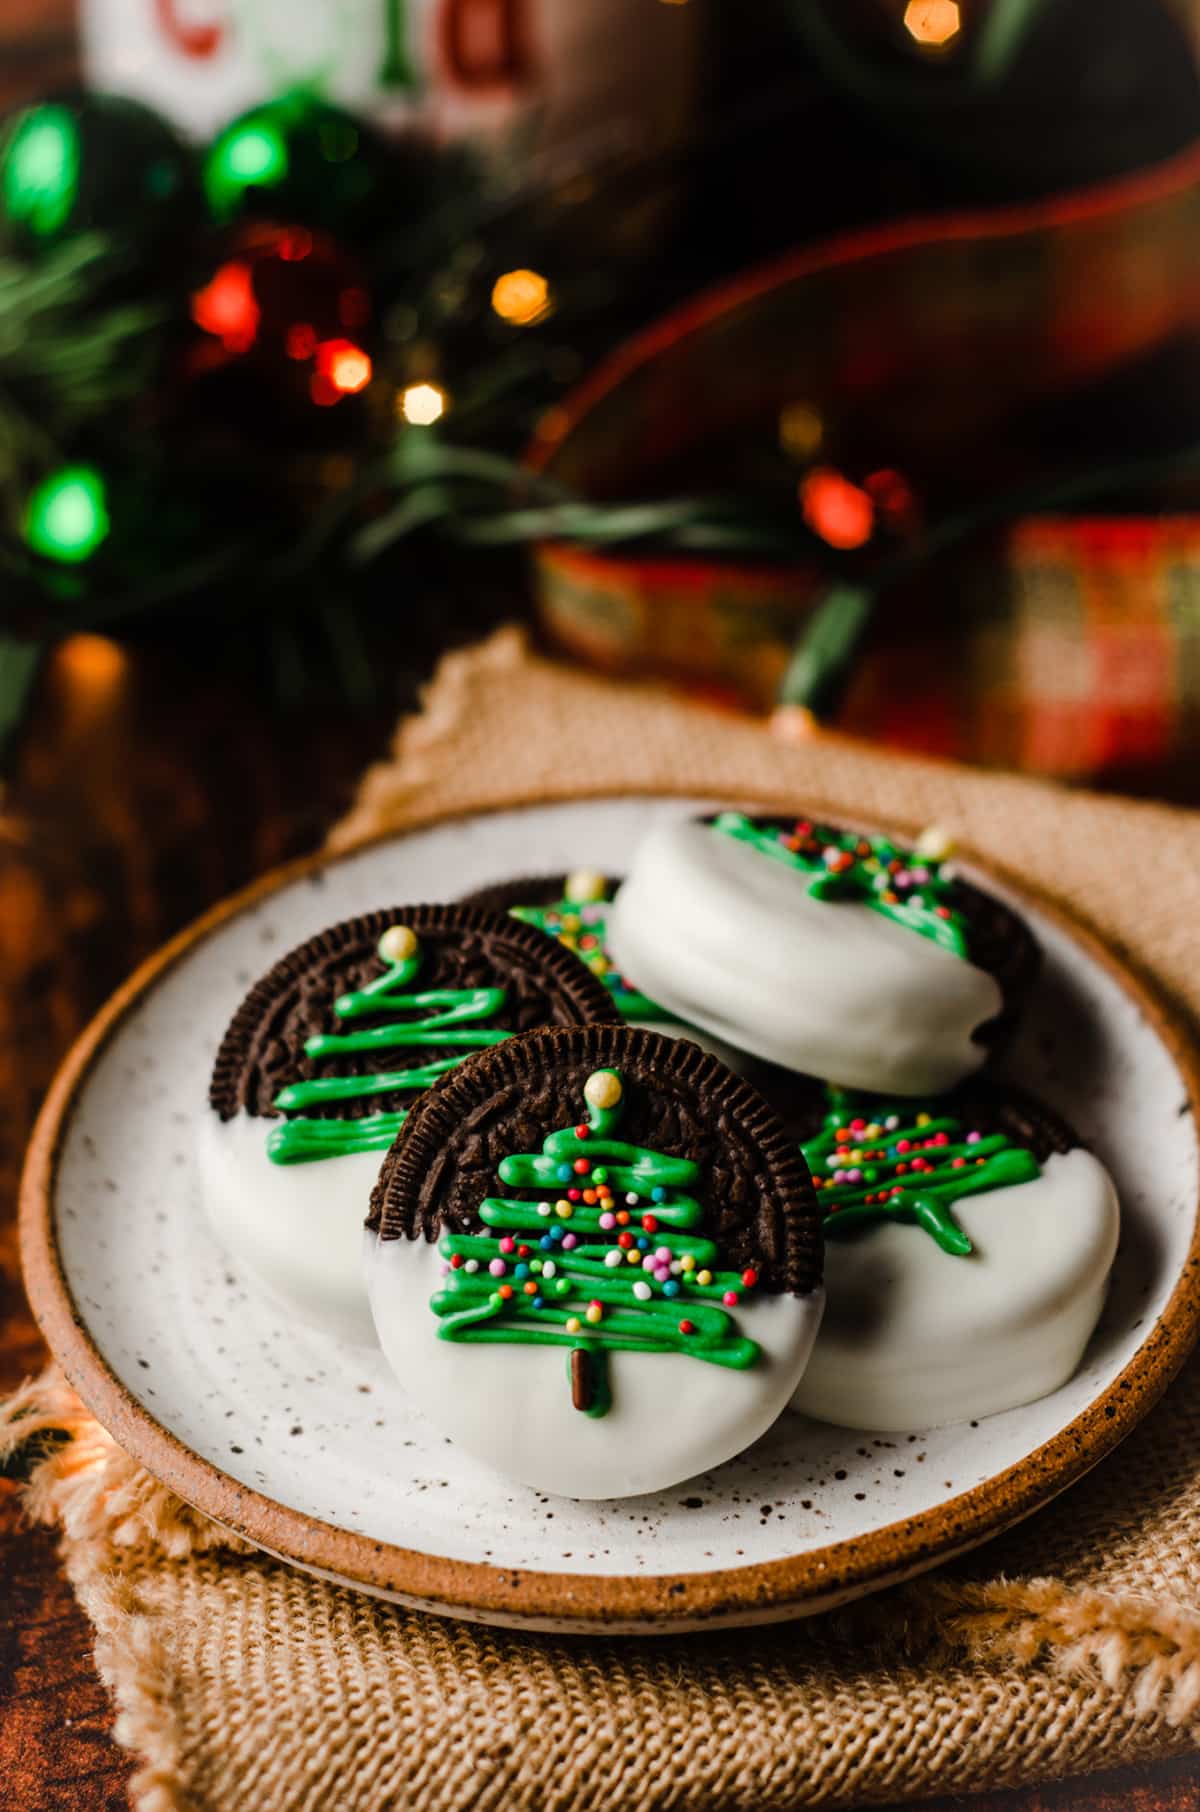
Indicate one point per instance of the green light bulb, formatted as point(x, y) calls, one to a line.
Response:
point(40, 179)
point(67, 516)
point(250, 153)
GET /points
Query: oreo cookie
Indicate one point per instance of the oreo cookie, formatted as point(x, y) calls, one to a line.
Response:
point(993, 937)
point(983, 1104)
point(824, 950)
point(581, 887)
point(969, 1241)
point(629, 1230)
point(326, 1056)
point(574, 909)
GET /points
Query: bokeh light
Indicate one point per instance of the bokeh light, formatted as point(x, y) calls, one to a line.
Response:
point(423, 404)
point(521, 297)
point(41, 170)
point(249, 154)
point(67, 516)
point(892, 496)
point(834, 508)
point(92, 665)
point(345, 366)
point(932, 22)
point(228, 307)
point(801, 430)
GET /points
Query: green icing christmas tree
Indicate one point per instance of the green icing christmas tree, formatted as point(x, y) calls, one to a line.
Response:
point(874, 1162)
point(580, 921)
point(448, 1017)
point(902, 884)
point(609, 1259)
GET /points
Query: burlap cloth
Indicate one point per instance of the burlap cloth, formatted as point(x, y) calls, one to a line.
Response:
point(1071, 1644)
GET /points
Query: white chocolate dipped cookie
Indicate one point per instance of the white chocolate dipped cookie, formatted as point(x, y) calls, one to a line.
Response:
point(574, 908)
point(821, 950)
point(322, 1062)
point(968, 1249)
point(582, 1281)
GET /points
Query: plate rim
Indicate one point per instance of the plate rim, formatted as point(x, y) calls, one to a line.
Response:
point(793, 1586)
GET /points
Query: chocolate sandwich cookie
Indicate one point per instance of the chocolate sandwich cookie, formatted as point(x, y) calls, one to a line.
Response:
point(969, 1240)
point(630, 1231)
point(574, 908)
point(326, 1056)
point(824, 950)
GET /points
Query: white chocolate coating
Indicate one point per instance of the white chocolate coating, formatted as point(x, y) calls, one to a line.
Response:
point(914, 1338)
point(510, 1405)
point(296, 1227)
point(730, 939)
point(588, 897)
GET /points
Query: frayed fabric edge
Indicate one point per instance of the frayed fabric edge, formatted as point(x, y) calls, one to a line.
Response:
point(117, 1522)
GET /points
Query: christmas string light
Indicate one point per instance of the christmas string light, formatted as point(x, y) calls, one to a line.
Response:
point(834, 508)
point(67, 518)
point(41, 170)
point(422, 404)
point(250, 153)
point(932, 23)
point(227, 307)
point(522, 298)
point(342, 369)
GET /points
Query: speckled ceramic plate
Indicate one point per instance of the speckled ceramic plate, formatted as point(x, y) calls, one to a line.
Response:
point(309, 1448)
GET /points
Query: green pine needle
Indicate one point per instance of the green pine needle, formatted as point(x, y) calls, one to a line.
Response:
point(67, 355)
point(821, 663)
point(20, 660)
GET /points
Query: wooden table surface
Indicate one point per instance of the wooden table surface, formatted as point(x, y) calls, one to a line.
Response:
point(145, 789)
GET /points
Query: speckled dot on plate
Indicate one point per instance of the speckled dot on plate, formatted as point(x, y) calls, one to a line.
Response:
point(322, 1430)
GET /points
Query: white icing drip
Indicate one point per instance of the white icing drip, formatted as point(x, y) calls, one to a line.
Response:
point(510, 1405)
point(729, 938)
point(914, 1338)
point(296, 1227)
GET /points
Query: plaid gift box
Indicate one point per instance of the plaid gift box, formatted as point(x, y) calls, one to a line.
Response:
point(1078, 657)
point(929, 349)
